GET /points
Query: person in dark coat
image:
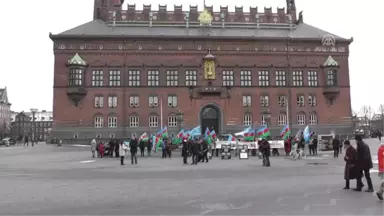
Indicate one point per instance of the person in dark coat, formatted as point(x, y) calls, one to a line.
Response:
point(142, 148)
point(169, 148)
point(266, 152)
point(315, 141)
point(336, 147)
point(350, 158)
point(364, 164)
point(195, 152)
point(205, 151)
point(164, 148)
point(117, 147)
point(149, 147)
point(133, 145)
point(185, 151)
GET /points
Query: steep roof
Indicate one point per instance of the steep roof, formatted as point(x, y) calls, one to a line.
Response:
point(101, 29)
point(3, 95)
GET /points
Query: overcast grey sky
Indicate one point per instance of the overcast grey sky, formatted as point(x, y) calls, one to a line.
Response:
point(27, 56)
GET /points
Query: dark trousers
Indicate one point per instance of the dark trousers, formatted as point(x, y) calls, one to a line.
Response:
point(195, 158)
point(141, 151)
point(341, 149)
point(169, 153)
point(122, 160)
point(149, 152)
point(205, 156)
point(185, 157)
point(266, 161)
point(379, 138)
point(347, 184)
point(367, 177)
point(164, 153)
point(336, 153)
point(133, 157)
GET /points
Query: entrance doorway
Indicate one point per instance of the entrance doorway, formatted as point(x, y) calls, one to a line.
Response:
point(210, 117)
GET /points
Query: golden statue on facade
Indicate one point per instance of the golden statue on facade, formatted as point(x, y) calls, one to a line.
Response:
point(209, 70)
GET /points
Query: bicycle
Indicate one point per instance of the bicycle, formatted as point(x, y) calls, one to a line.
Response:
point(297, 153)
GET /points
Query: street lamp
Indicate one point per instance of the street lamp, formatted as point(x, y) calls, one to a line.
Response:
point(34, 111)
point(179, 118)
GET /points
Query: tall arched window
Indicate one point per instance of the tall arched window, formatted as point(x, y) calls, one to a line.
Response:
point(313, 118)
point(98, 121)
point(134, 121)
point(153, 120)
point(172, 120)
point(301, 118)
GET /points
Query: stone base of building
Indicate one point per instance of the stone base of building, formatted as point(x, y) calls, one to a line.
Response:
point(79, 135)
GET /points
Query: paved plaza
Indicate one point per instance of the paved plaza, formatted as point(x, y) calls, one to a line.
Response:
point(48, 180)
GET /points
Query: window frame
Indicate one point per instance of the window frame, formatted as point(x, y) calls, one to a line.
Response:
point(331, 79)
point(134, 101)
point(264, 100)
point(228, 78)
point(98, 121)
point(112, 121)
point(247, 101)
point(301, 121)
point(112, 101)
point(300, 100)
point(246, 78)
point(247, 119)
point(153, 104)
point(153, 124)
point(281, 99)
point(172, 101)
point(172, 78)
point(172, 121)
point(312, 100)
point(282, 119)
point(114, 78)
point(297, 78)
point(134, 78)
point(153, 78)
point(76, 77)
point(264, 79)
point(281, 78)
point(97, 78)
point(190, 78)
point(313, 119)
point(98, 99)
point(313, 78)
point(134, 121)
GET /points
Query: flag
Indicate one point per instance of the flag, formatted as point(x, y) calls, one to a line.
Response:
point(249, 134)
point(213, 134)
point(157, 143)
point(231, 138)
point(195, 131)
point(207, 136)
point(207, 133)
point(307, 134)
point(179, 138)
point(298, 134)
point(285, 133)
point(186, 134)
point(144, 137)
point(163, 133)
point(263, 132)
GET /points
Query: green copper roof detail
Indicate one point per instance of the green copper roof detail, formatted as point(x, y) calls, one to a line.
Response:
point(77, 60)
point(330, 62)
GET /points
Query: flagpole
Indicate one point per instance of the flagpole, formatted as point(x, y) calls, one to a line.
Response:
point(288, 112)
point(161, 112)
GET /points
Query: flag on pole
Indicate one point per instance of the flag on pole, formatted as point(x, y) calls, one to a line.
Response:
point(285, 133)
point(213, 134)
point(231, 138)
point(249, 134)
point(207, 136)
point(195, 131)
point(263, 132)
point(179, 138)
point(307, 134)
point(144, 137)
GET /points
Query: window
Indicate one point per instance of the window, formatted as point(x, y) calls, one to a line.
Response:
point(172, 78)
point(312, 101)
point(153, 78)
point(331, 78)
point(280, 78)
point(153, 121)
point(114, 78)
point(282, 100)
point(153, 101)
point(134, 121)
point(99, 122)
point(133, 78)
point(245, 78)
point(76, 77)
point(264, 101)
point(134, 101)
point(263, 78)
point(297, 78)
point(112, 101)
point(247, 120)
point(190, 78)
point(172, 101)
point(228, 78)
point(247, 101)
point(300, 100)
point(312, 119)
point(282, 119)
point(99, 102)
point(312, 78)
point(112, 121)
point(263, 120)
point(301, 119)
point(172, 121)
point(97, 78)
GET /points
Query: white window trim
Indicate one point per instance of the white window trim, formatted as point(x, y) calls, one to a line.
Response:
point(112, 121)
point(172, 121)
point(134, 121)
point(247, 120)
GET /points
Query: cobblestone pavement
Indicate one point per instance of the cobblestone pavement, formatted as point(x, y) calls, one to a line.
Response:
point(47, 180)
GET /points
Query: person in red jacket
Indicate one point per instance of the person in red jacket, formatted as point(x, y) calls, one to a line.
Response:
point(288, 146)
point(101, 149)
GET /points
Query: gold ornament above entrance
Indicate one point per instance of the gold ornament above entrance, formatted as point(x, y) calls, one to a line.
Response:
point(205, 18)
point(209, 66)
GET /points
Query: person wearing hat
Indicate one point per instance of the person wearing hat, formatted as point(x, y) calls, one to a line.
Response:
point(364, 164)
point(350, 158)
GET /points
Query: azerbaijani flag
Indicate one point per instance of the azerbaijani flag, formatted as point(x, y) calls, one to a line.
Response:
point(195, 131)
point(285, 133)
point(231, 138)
point(249, 134)
point(213, 134)
point(178, 139)
point(157, 142)
point(207, 136)
point(186, 134)
point(163, 133)
point(144, 137)
point(263, 132)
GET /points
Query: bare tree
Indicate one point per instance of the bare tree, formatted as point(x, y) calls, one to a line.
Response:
point(367, 113)
point(381, 112)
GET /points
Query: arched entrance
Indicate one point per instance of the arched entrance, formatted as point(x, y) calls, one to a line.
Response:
point(210, 117)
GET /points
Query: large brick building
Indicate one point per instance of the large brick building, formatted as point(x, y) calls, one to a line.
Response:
point(5, 113)
point(129, 71)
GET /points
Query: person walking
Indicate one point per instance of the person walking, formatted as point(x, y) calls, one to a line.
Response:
point(122, 153)
point(93, 147)
point(315, 141)
point(350, 158)
point(336, 147)
point(364, 164)
point(133, 148)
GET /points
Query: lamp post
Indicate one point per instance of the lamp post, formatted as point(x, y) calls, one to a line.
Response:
point(179, 118)
point(34, 111)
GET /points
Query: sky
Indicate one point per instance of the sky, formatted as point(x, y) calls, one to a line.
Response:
point(28, 51)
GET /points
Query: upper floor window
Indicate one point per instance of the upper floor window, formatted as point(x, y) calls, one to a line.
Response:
point(172, 78)
point(263, 78)
point(99, 102)
point(300, 100)
point(172, 121)
point(247, 101)
point(97, 78)
point(112, 121)
point(153, 121)
point(153, 78)
point(282, 100)
point(281, 78)
point(190, 78)
point(114, 78)
point(331, 78)
point(134, 101)
point(76, 77)
point(133, 78)
point(245, 78)
point(282, 119)
point(99, 121)
point(112, 101)
point(312, 101)
point(301, 119)
point(228, 79)
point(172, 101)
point(264, 100)
point(153, 101)
point(297, 78)
point(247, 120)
point(312, 78)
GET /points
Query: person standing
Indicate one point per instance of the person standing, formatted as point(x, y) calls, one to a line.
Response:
point(315, 141)
point(336, 147)
point(205, 151)
point(195, 152)
point(142, 148)
point(288, 146)
point(133, 148)
point(101, 149)
point(26, 141)
point(121, 153)
point(265, 150)
point(169, 149)
point(350, 158)
point(149, 147)
point(364, 164)
point(93, 147)
point(164, 149)
point(185, 151)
